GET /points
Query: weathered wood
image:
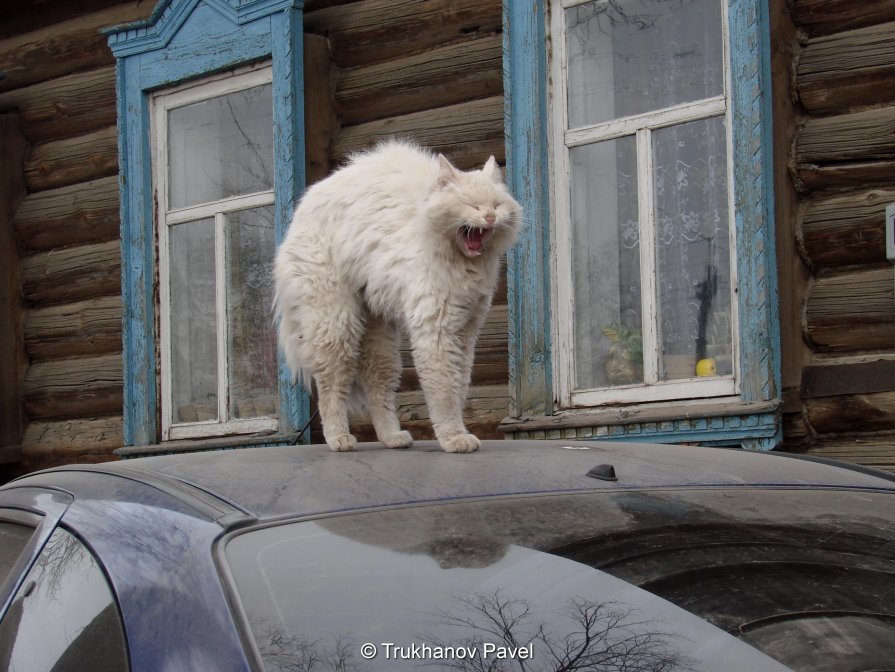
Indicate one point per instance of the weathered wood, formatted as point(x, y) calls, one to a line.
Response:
point(857, 175)
point(848, 70)
point(832, 16)
point(444, 76)
point(852, 311)
point(877, 451)
point(792, 273)
point(72, 388)
point(83, 328)
point(62, 48)
point(830, 380)
point(377, 30)
point(73, 440)
point(852, 413)
point(847, 229)
point(60, 108)
point(12, 351)
point(81, 213)
point(467, 133)
point(485, 407)
point(321, 124)
point(31, 15)
point(72, 274)
point(72, 160)
point(858, 136)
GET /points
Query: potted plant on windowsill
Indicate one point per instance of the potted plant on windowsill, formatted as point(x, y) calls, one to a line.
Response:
point(624, 361)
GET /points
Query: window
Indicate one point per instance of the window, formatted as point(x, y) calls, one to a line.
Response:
point(213, 167)
point(64, 616)
point(211, 140)
point(639, 143)
point(644, 301)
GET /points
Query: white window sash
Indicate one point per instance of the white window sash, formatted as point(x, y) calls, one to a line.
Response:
point(562, 140)
point(161, 104)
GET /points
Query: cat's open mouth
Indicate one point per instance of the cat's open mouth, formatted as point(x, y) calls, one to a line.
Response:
point(473, 239)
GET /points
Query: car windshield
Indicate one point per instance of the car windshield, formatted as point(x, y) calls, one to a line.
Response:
point(556, 582)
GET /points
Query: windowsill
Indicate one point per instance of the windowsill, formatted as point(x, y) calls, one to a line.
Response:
point(202, 445)
point(720, 423)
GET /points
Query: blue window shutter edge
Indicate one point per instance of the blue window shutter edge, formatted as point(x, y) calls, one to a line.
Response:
point(244, 31)
point(528, 263)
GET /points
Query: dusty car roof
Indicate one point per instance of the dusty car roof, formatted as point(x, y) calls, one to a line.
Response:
point(304, 480)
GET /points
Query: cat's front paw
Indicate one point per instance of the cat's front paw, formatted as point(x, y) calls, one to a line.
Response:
point(397, 440)
point(462, 443)
point(342, 442)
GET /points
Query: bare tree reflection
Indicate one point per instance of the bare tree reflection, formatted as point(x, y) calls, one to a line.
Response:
point(606, 637)
point(284, 652)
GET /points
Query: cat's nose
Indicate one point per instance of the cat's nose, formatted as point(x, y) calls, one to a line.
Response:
point(489, 218)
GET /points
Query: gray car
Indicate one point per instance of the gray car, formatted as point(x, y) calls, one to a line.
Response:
point(529, 555)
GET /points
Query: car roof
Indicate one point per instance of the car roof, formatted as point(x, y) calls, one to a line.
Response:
point(292, 481)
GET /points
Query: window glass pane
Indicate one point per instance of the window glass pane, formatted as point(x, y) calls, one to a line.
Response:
point(193, 329)
point(64, 616)
point(632, 56)
point(221, 147)
point(13, 539)
point(692, 231)
point(252, 338)
point(606, 264)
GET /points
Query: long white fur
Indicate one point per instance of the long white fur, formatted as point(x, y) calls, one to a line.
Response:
point(376, 246)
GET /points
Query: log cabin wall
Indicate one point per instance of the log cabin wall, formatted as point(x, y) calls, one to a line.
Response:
point(842, 164)
point(432, 71)
point(59, 81)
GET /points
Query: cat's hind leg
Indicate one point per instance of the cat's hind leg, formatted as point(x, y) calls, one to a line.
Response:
point(380, 373)
point(336, 341)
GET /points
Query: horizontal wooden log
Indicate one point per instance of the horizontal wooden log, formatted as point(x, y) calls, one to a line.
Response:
point(832, 16)
point(377, 30)
point(73, 440)
point(858, 136)
point(61, 49)
point(36, 14)
point(74, 329)
point(847, 229)
point(467, 133)
point(852, 311)
point(80, 159)
point(877, 452)
point(65, 107)
point(848, 70)
point(847, 414)
point(72, 274)
point(830, 380)
point(443, 76)
point(72, 388)
point(485, 407)
point(81, 213)
point(851, 175)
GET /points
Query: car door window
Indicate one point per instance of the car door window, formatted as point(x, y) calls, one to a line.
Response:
point(13, 539)
point(63, 617)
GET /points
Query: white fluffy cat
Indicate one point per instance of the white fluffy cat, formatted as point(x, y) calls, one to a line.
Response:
point(397, 237)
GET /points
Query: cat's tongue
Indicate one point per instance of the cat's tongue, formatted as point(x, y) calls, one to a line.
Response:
point(475, 239)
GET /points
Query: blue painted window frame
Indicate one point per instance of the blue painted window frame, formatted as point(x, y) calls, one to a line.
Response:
point(529, 263)
point(184, 40)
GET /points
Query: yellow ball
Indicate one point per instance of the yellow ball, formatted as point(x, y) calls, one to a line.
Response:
point(706, 367)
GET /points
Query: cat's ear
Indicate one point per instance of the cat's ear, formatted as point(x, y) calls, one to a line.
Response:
point(446, 172)
point(492, 170)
